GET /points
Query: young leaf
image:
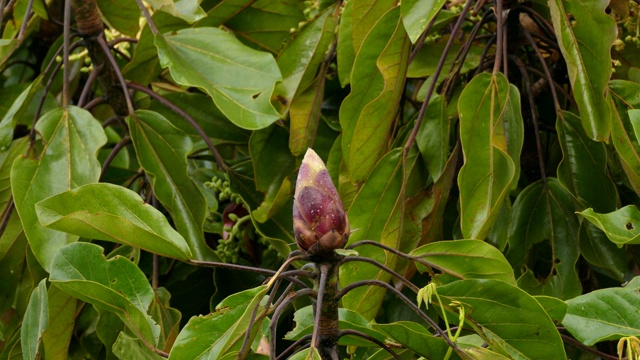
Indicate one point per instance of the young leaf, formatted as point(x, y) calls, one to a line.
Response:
point(115, 285)
point(601, 315)
point(511, 320)
point(240, 80)
point(35, 322)
point(491, 133)
point(113, 213)
point(621, 226)
point(72, 139)
point(214, 335)
point(585, 34)
point(162, 151)
point(466, 259)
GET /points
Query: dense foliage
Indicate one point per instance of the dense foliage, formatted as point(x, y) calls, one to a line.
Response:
point(487, 155)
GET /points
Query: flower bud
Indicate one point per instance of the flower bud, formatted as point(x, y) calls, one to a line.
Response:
point(319, 222)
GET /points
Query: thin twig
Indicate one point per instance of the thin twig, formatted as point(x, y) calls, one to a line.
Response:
point(278, 311)
point(384, 346)
point(293, 346)
point(103, 44)
point(244, 349)
point(581, 346)
point(116, 149)
point(500, 39)
point(87, 85)
point(558, 87)
point(422, 38)
point(65, 54)
point(95, 102)
point(25, 21)
point(247, 268)
point(322, 284)
point(402, 279)
point(219, 160)
point(532, 42)
point(145, 12)
point(6, 214)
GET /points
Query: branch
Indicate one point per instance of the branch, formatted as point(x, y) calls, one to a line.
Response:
point(370, 338)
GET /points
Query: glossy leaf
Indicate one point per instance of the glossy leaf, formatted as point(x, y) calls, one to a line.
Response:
point(544, 226)
point(212, 336)
point(240, 80)
point(72, 139)
point(624, 94)
point(162, 151)
point(466, 259)
point(512, 322)
point(491, 133)
point(606, 314)
point(377, 215)
point(116, 285)
point(188, 10)
point(35, 322)
point(416, 15)
point(416, 338)
point(585, 34)
point(113, 213)
point(366, 115)
point(583, 169)
point(621, 226)
point(62, 316)
point(554, 307)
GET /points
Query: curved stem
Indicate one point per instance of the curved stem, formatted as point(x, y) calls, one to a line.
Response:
point(293, 346)
point(147, 16)
point(87, 85)
point(246, 268)
point(244, 349)
point(66, 51)
point(107, 52)
point(532, 42)
point(276, 316)
point(116, 149)
point(406, 282)
point(370, 338)
point(581, 346)
point(322, 284)
point(500, 39)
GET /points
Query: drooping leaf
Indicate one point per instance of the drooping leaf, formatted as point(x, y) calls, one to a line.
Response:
point(162, 151)
point(621, 226)
point(513, 323)
point(466, 259)
point(416, 15)
point(376, 212)
point(544, 229)
point(605, 314)
point(113, 213)
point(585, 34)
point(116, 285)
point(188, 10)
point(72, 139)
point(491, 133)
point(62, 316)
point(122, 15)
point(416, 338)
point(214, 335)
point(240, 80)
point(624, 97)
point(367, 113)
point(35, 322)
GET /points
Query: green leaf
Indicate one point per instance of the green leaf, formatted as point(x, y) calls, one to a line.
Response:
point(187, 10)
point(270, 157)
point(122, 15)
point(345, 53)
point(598, 250)
point(167, 317)
point(585, 34)
point(543, 238)
point(621, 226)
point(223, 11)
point(17, 111)
point(466, 259)
point(491, 133)
point(583, 169)
point(116, 285)
point(624, 95)
point(127, 347)
point(307, 354)
point(113, 213)
point(35, 322)
point(554, 307)
point(62, 316)
point(214, 335)
point(601, 315)
point(367, 113)
point(433, 137)
point(512, 322)
point(162, 151)
point(72, 139)
point(239, 80)
point(415, 337)
point(376, 213)
point(416, 15)
point(634, 118)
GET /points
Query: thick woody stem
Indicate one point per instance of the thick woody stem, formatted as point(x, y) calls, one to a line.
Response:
point(327, 333)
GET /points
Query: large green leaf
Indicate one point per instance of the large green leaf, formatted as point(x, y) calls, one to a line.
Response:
point(116, 285)
point(162, 151)
point(466, 259)
point(345, 53)
point(606, 314)
point(512, 322)
point(366, 115)
point(214, 335)
point(585, 34)
point(35, 322)
point(62, 316)
point(543, 237)
point(416, 15)
point(113, 213)
point(624, 94)
point(376, 212)
point(621, 226)
point(240, 80)
point(491, 133)
point(72, 138)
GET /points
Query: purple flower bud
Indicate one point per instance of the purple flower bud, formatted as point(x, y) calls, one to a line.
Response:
point(319, 222)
